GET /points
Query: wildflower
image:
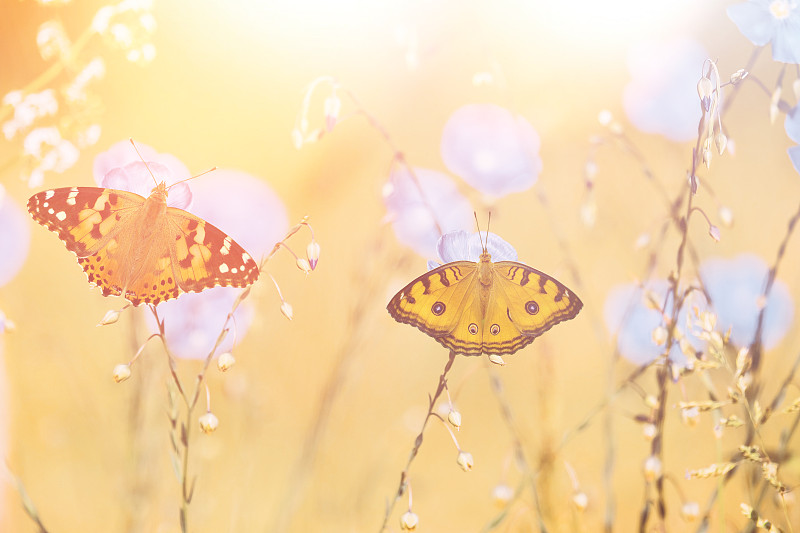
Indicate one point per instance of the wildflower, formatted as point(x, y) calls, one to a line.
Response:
point(50, 151)
point(286, 309)
point(465, 461)
point(492, 149)
point(121, 153)
point(652, 468)
point(193, 322)
point(111, 317)
point(502, 494)
point(121, 373)
point(14, 238)
point(454, 417)
point(52, 40)
point(408, 521)
point(208, 422)
point(792, 124)
point(580, 500)
point(303, 264)
point(312, 253)
point(735, 287)
point(661, 96)
point(690, 511)
point(770, 21)
point(423, 206)
point(794, 155)
point(632, 316)
point(27, 109)
point(225, 361)
point(463, 246)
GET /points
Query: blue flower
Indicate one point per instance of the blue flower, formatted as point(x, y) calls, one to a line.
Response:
point(628, 316)
point(14, 238)
point(735, 287)
point(463, 246)
point(492, 149)
point(792, 124)
point(662, 94)
point(412, 214)
point(775, 21)
point(794, 155)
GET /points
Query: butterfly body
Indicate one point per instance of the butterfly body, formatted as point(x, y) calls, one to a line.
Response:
point(139, 247)
point(485, 307)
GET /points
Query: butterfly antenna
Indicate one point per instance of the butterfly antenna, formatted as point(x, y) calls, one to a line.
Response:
point(478, 226)
point(143, 161)
point(488, 223)
point(193, 177)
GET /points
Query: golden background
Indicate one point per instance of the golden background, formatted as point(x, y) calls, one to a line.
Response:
point(225, 89)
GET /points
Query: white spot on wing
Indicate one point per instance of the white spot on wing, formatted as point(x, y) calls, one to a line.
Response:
point(49, 194)
point(226, 246)
point(61, 215)
point(71, 196)
point(223, 268)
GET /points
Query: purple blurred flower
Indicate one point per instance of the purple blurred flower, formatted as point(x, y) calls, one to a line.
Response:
point(628, 316)
point(491, 149)
point(463, 246)
point(135, 177)
point(194, 321)
point(243, 206)
point(2, 327)
point(413, 219)
point(122, 153)
point(248, 210)
point(662, 94)
point(735, 287)
point(794, 155)
point(792, 124)
point(14, 238)
point(775, 21)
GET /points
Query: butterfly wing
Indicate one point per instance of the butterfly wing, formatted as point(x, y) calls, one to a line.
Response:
point(145, 256)
point(438, 303)
point(84, 218)
point(524, 303)
point(204, 256)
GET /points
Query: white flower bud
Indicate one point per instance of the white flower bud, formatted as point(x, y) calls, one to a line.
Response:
point(454, 417)
point(225, 361)
point(208, 422)
point(465, 461)
point(121, 373)
point(408, 521)
point(312, 252)
point(286, 309)
point(110, 317)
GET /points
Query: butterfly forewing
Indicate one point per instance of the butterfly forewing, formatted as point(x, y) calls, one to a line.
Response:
point(139, 248)
point(539, 302)
point(84, 218)
point(432, 302)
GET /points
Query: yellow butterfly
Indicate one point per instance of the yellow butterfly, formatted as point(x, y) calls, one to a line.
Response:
point(484, 307)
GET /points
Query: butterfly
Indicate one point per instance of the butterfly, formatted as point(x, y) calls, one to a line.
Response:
point(138, 247)
point(484, 307)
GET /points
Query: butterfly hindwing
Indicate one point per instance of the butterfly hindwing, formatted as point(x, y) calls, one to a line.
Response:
point(204, 256)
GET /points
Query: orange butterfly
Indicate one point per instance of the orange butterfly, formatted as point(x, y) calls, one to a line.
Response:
point(139, 247)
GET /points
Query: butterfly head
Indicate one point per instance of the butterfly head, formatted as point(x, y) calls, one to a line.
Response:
point(160, 192)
